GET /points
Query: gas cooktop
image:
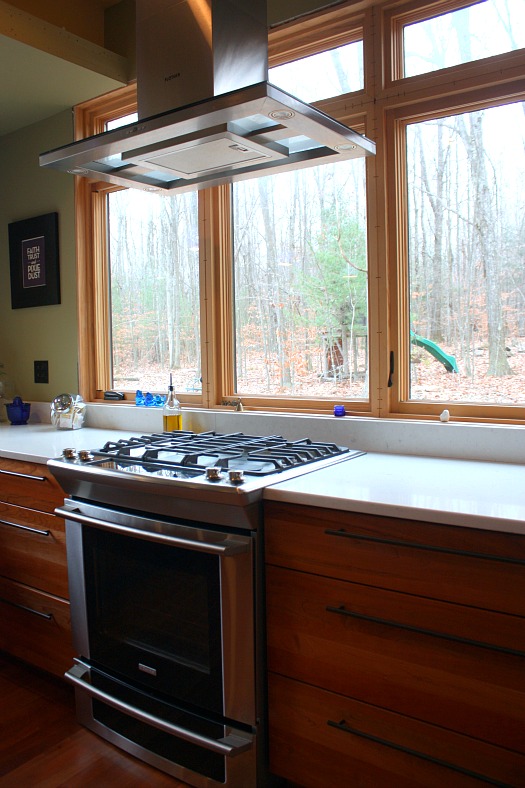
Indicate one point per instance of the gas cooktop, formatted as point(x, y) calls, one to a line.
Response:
point(185, 455)
point(182, 471)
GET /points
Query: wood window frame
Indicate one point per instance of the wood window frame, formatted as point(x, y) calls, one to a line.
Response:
point(91, 252)
point(397, 16)
point(397, 120)
point(215, 222)
point(381, 110)
point(400, 101)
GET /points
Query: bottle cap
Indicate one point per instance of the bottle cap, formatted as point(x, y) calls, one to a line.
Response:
point(339, 410)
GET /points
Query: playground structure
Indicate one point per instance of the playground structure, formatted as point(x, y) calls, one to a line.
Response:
point(449, 362)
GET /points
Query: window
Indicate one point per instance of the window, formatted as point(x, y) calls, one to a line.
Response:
point(322, 75)
point(301, 283)
point(466, 256)
point(393, 285)
point(480, 30)
point(154, 288)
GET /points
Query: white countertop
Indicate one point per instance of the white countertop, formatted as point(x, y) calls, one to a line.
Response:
point(42, 442)
point(486, 495)
point(476, 494)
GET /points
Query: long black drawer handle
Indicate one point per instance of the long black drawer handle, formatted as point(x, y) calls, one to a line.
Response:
point(26, 528)
point(342, 726)
point(47, 616)
point(343, 611)
point(25, 476)
point(431, 548)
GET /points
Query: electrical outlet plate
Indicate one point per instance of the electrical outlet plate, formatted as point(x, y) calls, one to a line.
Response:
point(41, 372)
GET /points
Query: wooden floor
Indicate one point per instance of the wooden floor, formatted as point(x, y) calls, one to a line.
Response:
point(42, 745)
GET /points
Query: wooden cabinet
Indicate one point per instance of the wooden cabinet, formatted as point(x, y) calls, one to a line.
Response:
point(34, 605)
point(396, 651)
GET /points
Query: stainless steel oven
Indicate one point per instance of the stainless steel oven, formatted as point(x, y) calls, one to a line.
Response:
point(164, 618)
point(164, 543)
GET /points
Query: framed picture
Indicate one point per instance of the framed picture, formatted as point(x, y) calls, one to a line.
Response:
point(33, 256)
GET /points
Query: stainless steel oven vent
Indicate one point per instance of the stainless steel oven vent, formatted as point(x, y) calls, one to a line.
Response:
point(207, 114)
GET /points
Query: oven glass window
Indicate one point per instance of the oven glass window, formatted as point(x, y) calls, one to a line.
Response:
point(154, 615)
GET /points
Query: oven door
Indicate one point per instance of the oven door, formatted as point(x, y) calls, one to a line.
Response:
point(165, 606)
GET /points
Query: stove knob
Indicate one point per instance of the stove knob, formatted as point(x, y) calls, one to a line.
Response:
point(213, 474)
point(85, 455)
point(69, 454)
point(236, 477)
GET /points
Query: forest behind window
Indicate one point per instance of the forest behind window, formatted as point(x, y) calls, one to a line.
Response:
point(154, 290)
point(301, 283)
point(480, 30)
point(467, 256)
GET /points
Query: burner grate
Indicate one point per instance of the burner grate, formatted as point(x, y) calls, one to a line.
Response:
point(255, 455)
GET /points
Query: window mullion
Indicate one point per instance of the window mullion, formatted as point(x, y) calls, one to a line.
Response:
point(102, 290)
point(93, 291)
point(216, 294)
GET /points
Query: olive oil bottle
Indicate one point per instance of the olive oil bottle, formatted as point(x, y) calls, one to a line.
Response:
point(171, 413)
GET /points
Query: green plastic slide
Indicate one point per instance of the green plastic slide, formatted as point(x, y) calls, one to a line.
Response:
point(449, 362)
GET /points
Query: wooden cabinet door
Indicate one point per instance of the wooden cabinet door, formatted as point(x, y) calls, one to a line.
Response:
point(462, 565)
point(398, 652)
point(33, 548)
point(29, 484)
point(35, 627)
point(319, 739)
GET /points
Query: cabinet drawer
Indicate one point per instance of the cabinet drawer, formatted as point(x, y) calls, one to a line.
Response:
point(29, 484)
point(398, 652)
point(463, 565)
point(321, 740)
point(35, 627)
point(33, 548)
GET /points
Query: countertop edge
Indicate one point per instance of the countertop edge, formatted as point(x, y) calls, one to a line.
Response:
point(45, 442)
point(439, 517)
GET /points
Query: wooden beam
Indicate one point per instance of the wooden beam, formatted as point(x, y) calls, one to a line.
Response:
point(44, 36)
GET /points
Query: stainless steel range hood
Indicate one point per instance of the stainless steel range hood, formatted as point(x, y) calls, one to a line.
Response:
point(207, 114)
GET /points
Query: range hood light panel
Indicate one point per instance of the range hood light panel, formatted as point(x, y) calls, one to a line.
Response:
point(219, 121)
point(213, 150)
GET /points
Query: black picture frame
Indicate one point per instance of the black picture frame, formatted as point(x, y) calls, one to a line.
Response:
point(34, 261)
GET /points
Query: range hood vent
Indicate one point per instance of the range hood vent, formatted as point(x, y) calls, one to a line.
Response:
point(207, 114)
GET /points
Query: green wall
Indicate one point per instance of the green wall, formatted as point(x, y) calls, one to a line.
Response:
point(44, 332)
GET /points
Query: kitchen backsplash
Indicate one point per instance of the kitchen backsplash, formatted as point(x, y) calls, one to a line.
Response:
point(489, 442)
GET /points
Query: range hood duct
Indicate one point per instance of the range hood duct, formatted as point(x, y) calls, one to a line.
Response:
point(207, 114)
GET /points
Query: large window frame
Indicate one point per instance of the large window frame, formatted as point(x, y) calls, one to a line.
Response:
point(382, 110)
point(471, 86)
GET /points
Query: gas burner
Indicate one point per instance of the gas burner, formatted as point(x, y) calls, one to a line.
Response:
point(253, 455)
point(209, 476)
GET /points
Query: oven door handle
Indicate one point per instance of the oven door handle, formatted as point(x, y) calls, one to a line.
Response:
point(230, 546)
point(230, 745)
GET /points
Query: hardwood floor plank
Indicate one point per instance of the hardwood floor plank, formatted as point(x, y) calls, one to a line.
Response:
point(83, 759)
point(41, 743)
